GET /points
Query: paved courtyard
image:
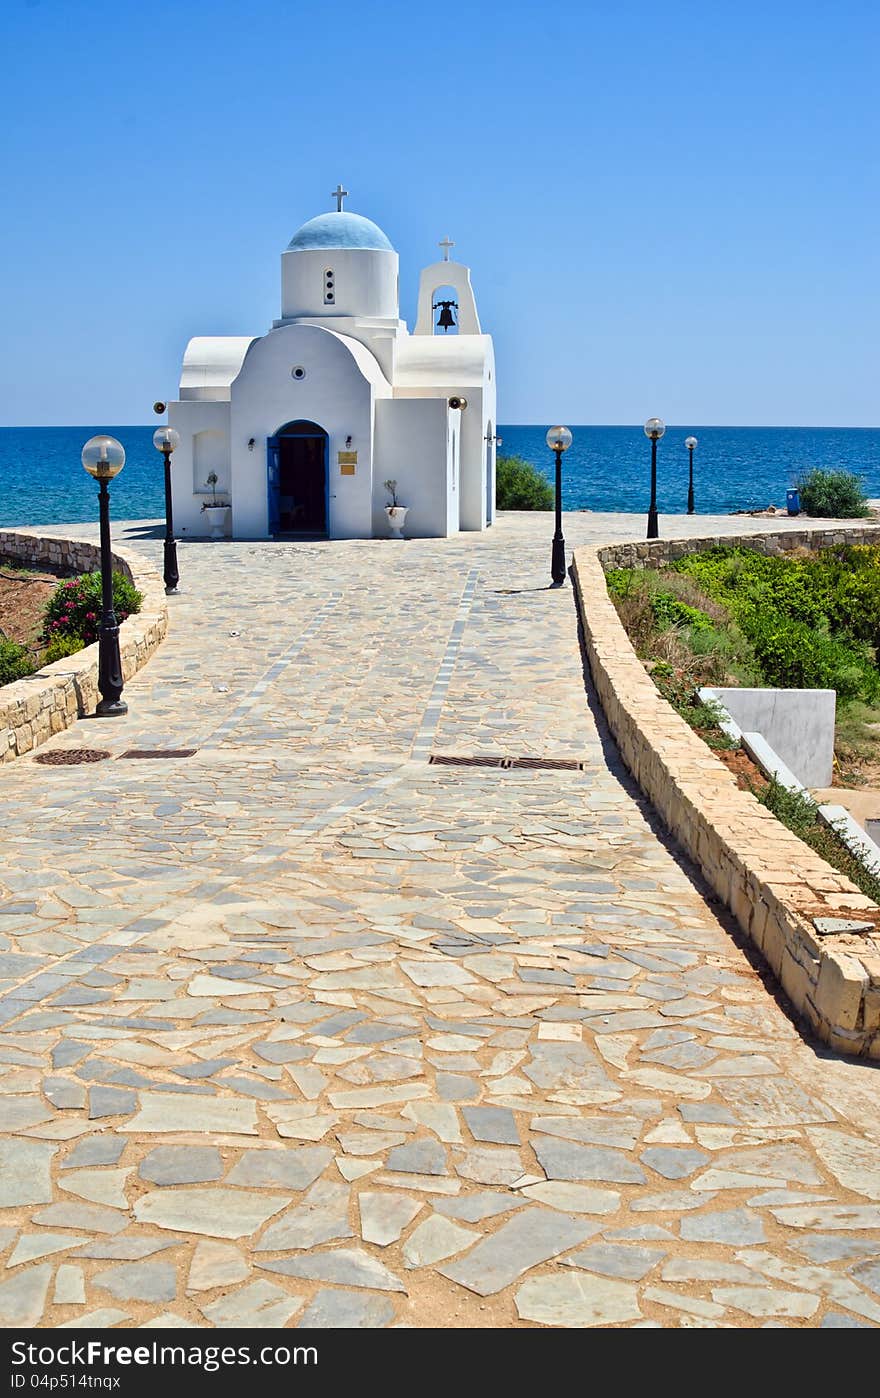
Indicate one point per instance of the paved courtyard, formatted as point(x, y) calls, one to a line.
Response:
point(305, 1030)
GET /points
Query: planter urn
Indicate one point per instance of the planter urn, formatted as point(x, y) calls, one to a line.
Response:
point(396, 518)
point(216, 516)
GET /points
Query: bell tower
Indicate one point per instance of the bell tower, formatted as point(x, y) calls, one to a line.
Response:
point(460, 313)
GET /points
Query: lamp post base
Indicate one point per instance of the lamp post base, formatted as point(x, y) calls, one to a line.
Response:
point(653, 527)
point(557, 562)
point(172, 592)
point(171, 574)
point(111, 708)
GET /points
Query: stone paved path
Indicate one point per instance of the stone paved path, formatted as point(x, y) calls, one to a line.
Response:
point(302, 1030)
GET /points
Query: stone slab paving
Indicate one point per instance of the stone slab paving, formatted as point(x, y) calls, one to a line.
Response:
point(302, 1030)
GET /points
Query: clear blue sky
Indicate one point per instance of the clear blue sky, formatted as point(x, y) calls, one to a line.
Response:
point(668, 208)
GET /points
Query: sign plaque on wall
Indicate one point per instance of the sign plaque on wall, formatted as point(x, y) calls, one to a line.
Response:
point(347, 462)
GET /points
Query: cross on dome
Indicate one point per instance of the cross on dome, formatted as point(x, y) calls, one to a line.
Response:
point(446, 244)
point(339, 194)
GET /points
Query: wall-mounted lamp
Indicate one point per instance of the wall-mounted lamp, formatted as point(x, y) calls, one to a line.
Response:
point(348, 440)
point(252, 442)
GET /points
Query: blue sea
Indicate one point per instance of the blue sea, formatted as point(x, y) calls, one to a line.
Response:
point(607, 468)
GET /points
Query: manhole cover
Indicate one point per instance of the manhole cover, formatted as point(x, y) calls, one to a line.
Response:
point(145, 753)
point(71, 757)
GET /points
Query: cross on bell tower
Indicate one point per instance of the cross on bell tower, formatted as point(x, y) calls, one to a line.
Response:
point(339, 194)
point(446, 244)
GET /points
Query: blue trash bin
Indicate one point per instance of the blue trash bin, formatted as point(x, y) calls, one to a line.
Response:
point(793, 502)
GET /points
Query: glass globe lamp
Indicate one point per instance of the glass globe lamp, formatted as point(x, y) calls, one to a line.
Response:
point(559, 439)
point(654, 428)
point(103, 457)
point(166, 439)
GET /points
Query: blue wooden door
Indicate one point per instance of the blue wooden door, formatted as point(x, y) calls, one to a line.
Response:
point(273, 466)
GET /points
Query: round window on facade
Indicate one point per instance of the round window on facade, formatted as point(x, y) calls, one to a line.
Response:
point(297, 372)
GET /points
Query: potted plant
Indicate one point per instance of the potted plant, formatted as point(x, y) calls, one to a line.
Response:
point(215, 509)
point(395, 511)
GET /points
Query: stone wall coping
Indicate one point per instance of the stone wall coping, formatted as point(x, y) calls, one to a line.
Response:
point(35, 708)
point(773, 884)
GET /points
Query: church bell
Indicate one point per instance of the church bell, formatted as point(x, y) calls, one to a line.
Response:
point(446, 319)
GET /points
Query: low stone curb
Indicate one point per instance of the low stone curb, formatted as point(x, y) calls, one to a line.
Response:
point(771, 881)
point(45, 703)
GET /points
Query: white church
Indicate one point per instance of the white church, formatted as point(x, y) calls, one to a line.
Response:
point(303, 425)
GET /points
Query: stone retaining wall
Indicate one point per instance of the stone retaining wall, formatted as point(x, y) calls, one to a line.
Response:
point(771, 881)
point(32, 709)
point(655, 552)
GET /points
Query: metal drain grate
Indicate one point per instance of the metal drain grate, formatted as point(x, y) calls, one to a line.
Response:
point(71, 757)
point(538, 764)
point(146, 753)
point(549, 764)
point(437, 760)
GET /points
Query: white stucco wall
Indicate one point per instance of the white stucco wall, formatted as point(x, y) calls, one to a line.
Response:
point(414, 447)
point(341, 381)
point(365, 283)
point(189, 465)
point(457, 366)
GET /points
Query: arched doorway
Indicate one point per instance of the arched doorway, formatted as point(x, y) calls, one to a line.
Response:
point(298, 488)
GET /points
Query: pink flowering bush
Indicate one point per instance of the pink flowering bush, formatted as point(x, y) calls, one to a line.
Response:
point(74, 609)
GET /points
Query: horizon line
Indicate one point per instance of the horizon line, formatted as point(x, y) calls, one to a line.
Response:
point(581, 426)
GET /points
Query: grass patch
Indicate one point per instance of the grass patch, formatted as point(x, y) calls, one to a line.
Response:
point(732, 616)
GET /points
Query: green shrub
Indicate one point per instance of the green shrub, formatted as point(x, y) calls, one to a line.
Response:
point(15, 662)
point(521, 486)
point(849, 579)
point(832, 494)
point(669, 611)
point(74, 609)
point(812, 621)
point(747, 582)
point(60, 647)
point(622, 582)
point(795, 655)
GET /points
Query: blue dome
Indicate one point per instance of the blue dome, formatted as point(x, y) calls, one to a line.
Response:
point(339, 230)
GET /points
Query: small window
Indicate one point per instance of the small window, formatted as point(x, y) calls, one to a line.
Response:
point(329, 286)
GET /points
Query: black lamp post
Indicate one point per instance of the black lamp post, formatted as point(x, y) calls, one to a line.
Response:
point(654, 428)
point(558, 440)
point(166, 440)
point(104, 458)
point(690, 443)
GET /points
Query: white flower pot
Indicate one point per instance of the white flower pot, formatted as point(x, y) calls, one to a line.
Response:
point(396, 518)
point(216, 517)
